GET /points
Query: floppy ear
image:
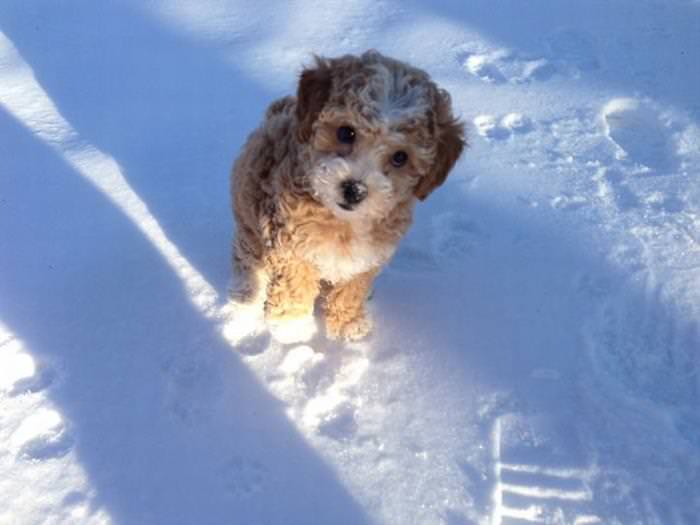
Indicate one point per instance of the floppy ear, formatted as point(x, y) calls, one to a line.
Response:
point(451, 142)
point(312, 94)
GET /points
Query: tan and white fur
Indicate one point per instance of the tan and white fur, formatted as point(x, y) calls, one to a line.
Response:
point(319, 209)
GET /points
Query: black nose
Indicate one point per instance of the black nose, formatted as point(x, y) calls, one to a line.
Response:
point(354, 192)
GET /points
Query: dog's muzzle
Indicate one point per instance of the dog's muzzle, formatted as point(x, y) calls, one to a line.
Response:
point(353, 192)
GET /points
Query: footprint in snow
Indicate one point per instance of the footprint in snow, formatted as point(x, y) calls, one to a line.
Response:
point(318, 388)
point(332, 411)
point(540, 472)
point(492, 128)
point(568, 202)
point(456, 236)
point(640, 135)
point(647, 348)
point(340, 423)
point(614, 187)
point(643, 352)
point(569, 51)
point(502, 66)
point(191, 382)
point(243, 478)
point(516, 123)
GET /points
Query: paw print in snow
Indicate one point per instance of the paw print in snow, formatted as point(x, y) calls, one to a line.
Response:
point(340, 424)
point(242, 477)
point(502, 66)
point(490, 127)
point(455, 236)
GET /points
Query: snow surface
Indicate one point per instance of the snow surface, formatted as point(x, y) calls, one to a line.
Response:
point(536, 351)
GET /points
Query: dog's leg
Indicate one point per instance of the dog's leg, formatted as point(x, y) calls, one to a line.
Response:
point(291, 293)
point(250, 278)
point(244, 311)
point(249, 287)
point(345, 308)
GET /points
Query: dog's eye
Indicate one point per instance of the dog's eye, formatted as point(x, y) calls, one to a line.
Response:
point(346, 135)
point(399, 158)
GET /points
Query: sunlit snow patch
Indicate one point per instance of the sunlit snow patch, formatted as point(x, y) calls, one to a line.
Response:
point(41, 435)
point(15, 364)
point(294, 330)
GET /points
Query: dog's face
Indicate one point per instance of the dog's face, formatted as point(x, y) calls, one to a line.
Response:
point(376, 133)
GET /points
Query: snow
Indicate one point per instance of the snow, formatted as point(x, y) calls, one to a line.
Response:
point(536, 350)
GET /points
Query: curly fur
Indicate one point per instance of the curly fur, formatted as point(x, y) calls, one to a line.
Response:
point(294, 241)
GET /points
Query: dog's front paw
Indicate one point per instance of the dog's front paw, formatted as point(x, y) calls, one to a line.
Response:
point(294, 330)
point(352, 330)
point(241, 321)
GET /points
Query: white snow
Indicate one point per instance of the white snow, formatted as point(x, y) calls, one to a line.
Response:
point(15, 365)
point(536, 346)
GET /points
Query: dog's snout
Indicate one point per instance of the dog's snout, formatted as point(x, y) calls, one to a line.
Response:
point(354, 192)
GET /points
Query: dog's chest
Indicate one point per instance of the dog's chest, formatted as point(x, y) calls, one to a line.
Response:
point(340, 261)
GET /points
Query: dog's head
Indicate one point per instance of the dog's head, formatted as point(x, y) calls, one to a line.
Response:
point(376, 133)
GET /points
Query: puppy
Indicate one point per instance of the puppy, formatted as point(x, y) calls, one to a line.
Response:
point(324, 190)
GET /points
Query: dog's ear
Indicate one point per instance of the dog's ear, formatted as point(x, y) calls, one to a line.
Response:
point(450, 136)
point(312, 94)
